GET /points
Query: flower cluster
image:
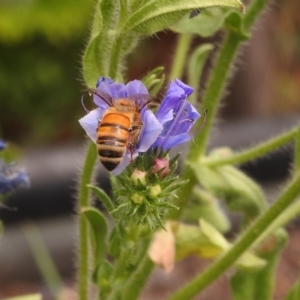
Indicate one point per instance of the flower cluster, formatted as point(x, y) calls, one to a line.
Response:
point(11, 177)
point(145, 187)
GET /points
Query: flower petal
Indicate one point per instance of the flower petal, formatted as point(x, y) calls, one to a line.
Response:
point(151, 130)
point(187, 89)
point(136, 87)
point(172, 141)
point(90, 123)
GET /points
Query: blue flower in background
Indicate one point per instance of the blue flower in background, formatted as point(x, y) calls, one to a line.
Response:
point(12, 178)
point(177, 115)
point(151, 128)
point(2, 145)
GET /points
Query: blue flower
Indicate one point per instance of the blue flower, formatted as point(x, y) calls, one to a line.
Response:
point(2, 145)
point(177, 116)
point(151, 129)
point(12, 178)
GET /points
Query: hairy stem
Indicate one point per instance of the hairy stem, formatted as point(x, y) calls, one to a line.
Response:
point(200, 282)
point(83, 201)
point(254, 152)
point(214, 90)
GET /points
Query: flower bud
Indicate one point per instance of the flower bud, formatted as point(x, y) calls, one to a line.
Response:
point(137, 198)
point(137, 176)
point(161, 163)
point(155, 190)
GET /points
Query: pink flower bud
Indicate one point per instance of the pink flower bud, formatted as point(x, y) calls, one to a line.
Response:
point(160, 163)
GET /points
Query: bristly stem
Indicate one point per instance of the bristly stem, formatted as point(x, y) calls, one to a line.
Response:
point(183, 46)
point(83, 256)
point(254, 152)
point(219, 76)
point(200, 282)
point(214, 91)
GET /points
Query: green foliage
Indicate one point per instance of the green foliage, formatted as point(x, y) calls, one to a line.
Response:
point(157, 15)
point(259, 285)
point(206, 206)
point(210, 21)
point(21, 20)
point(154, 80)
point(238, 190)
point(39, 43)
point(98, 232)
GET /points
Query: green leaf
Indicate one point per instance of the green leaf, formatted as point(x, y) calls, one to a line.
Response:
point(115, 240)
point(103, 197)
point(209, 22)
point(239, 191)
point(157, 15)
point(259, 284)
point(27, 297)
point(102, 278)
point(99, 227)
point(195, 67)
point(95, 59)
point(206, 206)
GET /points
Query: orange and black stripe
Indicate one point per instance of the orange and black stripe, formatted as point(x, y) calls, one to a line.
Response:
point(112, 139)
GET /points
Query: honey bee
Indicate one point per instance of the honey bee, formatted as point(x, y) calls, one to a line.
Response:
point(120, 127)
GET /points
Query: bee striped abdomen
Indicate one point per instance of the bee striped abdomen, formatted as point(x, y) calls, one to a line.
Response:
point(112, 139)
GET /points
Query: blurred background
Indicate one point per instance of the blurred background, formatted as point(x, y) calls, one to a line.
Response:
point(41, 43)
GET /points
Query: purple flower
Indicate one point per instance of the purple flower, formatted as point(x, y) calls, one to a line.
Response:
point(151, 128)
point(177, 116)
point(12, 178)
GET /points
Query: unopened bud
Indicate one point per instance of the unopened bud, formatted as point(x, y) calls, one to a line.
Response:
point(155, 190)
point(137, 176)
point(137, 198)
point(161, 163)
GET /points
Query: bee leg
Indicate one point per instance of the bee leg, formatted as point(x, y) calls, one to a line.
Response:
point(134, 133)
point(131, 147)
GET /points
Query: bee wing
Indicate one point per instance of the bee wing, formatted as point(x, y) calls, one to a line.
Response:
point(103, 96)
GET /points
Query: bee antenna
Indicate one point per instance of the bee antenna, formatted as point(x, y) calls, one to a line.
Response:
point(146, 103)
point(82, 102)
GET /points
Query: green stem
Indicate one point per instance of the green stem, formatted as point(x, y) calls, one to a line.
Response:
point(254, 152)
point(182, 48)
point(252, 11)
point(83, 201)
point(214, 91)
point(218, 268)
point(138, 279)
